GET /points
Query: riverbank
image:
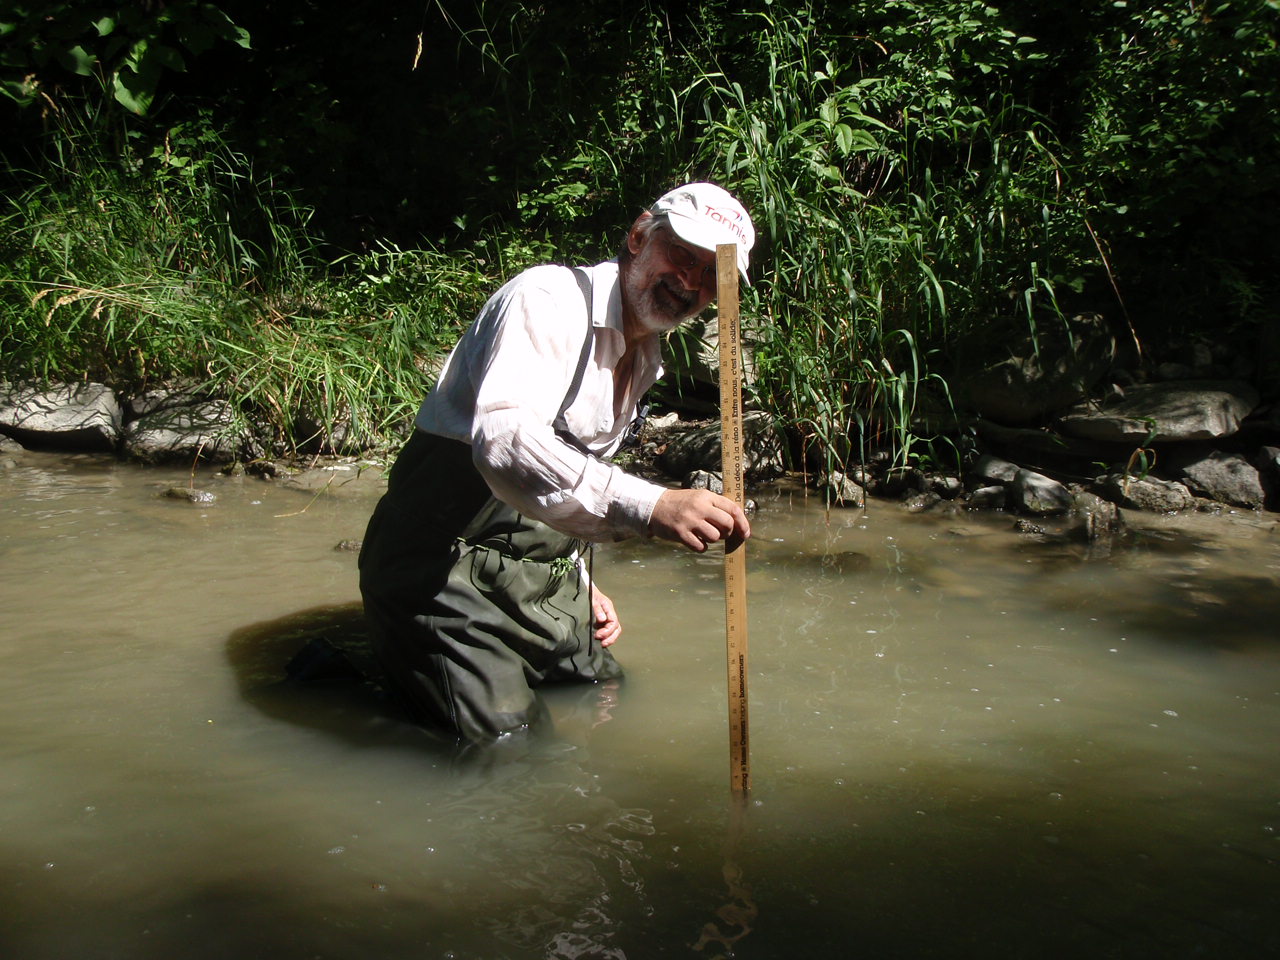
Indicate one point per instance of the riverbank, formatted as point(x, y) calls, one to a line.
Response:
point(1205, 446)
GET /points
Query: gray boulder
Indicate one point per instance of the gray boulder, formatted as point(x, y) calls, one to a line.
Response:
point(948, 488)
point(691, 356)
point(1147, 493)
point(993, 469)
point(205, 429)
point(992, 497)
point(1034, 493)
point(1224, 477)
point(841, 491)
point(700, 449)
point(704, 480)
point(72, 416)
point(1165, 412)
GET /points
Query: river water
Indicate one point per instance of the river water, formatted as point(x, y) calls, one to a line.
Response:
point(964, 742)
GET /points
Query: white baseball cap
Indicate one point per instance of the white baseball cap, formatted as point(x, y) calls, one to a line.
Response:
point(706, 215)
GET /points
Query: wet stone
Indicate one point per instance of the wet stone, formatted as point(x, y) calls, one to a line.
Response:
point(190, 494)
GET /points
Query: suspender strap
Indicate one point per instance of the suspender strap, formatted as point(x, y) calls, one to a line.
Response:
point(559, 424)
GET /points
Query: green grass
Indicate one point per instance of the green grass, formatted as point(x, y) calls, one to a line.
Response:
point(928, 185)
point(200, 274)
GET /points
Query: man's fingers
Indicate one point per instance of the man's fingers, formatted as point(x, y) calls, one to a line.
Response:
point(698, 517)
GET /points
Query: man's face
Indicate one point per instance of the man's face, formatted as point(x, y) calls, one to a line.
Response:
point(667, 280)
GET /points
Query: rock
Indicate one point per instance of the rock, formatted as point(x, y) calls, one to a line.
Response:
point(1037, 494)
point(1174, 371)
point(989, 468)
point(348, 546)
point(840, 490)
point(703, 480)
point(190, 494)
point(700, 449)
point(1045, 444)
point(1146, 493)
point(74, 416)
point(920, 502)
point(988, 498)
point(1220, 476)
point(1036, 377)
point(267, 469)
point(1165, 412)
point(1098, 519)
point(947, 488)
point(184, 394)
point(206, 429)
point(662, 422)
point(10, 446)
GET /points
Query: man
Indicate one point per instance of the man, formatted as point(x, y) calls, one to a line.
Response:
point(471, 569)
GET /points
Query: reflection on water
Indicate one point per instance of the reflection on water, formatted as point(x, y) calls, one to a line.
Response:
point(964, 739)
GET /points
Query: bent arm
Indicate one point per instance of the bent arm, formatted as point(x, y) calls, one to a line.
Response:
point(533, 339)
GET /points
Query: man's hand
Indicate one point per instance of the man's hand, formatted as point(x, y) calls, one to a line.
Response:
point(697, 518)
point(604, 619)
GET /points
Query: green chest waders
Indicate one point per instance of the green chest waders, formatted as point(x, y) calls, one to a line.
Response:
point(471, 603)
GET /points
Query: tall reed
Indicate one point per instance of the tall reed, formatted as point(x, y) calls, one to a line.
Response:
point(184, 265)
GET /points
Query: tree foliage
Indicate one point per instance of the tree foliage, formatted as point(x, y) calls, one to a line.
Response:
point(929, 176)
point(125, 47)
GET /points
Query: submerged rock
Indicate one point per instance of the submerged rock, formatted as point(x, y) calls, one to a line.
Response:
point(190, 494)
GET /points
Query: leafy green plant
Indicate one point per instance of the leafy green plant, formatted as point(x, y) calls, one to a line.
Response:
point(127, 47)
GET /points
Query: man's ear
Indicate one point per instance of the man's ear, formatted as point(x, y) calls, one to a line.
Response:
point(635, 236)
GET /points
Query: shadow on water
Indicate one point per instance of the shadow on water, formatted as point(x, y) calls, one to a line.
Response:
point(1188, 593)
point(349, 708)
point(359, 712)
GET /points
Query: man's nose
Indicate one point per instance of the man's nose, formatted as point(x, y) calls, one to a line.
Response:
point(692, 276)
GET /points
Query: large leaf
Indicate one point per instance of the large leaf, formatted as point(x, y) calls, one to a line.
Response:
point(133, 91)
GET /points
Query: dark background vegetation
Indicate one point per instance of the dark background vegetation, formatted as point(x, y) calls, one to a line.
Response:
point(299, 203)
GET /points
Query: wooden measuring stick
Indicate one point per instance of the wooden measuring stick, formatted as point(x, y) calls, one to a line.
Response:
point(735, 556)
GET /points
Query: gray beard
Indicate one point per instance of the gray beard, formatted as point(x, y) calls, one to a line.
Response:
point(650, 311)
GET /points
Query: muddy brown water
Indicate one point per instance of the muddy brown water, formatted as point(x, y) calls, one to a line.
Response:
point(963, 742)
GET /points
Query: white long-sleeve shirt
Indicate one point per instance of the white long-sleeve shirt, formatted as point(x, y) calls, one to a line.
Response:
point(502, 387)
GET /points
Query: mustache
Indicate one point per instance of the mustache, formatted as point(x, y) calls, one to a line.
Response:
point(677, 291)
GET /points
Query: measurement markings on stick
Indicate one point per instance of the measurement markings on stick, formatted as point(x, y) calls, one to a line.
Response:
point(735, 556)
